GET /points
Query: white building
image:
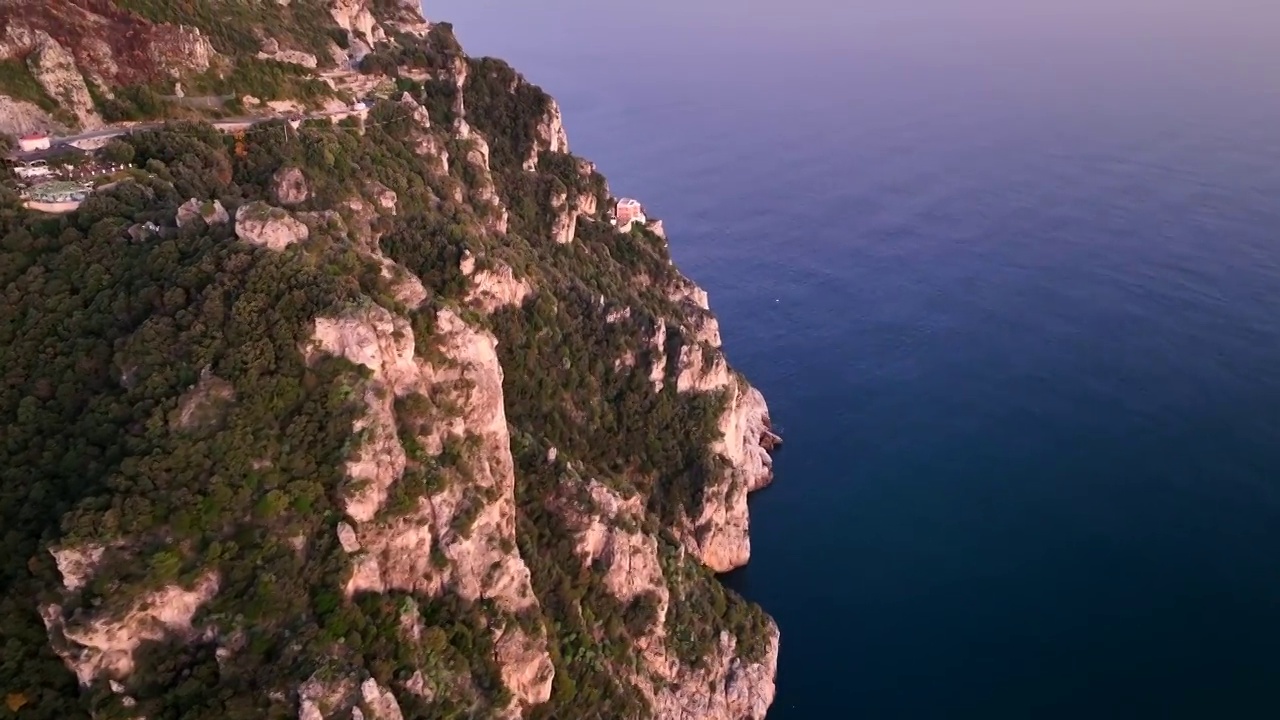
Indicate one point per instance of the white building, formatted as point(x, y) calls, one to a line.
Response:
point(628, 211)
point(34, 141)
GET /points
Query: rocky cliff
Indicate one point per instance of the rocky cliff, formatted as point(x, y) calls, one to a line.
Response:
point(378, 419)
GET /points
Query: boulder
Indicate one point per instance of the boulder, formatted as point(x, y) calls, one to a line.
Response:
point(260, 224)
point(213, 213)
point(290, 186)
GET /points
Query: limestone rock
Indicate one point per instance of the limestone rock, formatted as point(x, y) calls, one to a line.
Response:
point(179, 50)
point(587, 204)
point(565, 225)
point(720, 535)
point(211, 212)
point(317, 697)
point(355, 17)
point(293, 57)
point(658, 372)
point(381, 703)
point(724, 688)
point(289, 186)
point(19, 117)
point(549, 135)
point(484, 191)
point(525, 665)
point(606, 526)
point(77, 564)
point(496, 288)
point(94, 646)
point(260, 224)
point(384, 197)
point(687, 292)
point(397, 551)
point(417, 684)
point(347, 537)
point(203, 404)
point(419, 114)
point(54, 68)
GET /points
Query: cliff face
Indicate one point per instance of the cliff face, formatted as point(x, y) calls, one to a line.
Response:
point(472, 519)
point(721, 685)
point(404, 429)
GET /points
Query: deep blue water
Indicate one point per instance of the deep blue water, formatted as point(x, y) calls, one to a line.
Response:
point(1009, 277)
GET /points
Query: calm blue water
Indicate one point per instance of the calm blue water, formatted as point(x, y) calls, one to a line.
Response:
point(1009, 277)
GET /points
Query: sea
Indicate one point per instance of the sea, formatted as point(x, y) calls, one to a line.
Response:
point(1008, 274)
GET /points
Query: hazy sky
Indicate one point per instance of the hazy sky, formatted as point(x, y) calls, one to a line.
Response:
point(824, 23)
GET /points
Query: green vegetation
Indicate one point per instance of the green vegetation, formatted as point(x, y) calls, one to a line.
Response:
point(232, 25)
point(435, 53)
point(131, 103)
point(263, 79)
point(507, 118)
point(17, 82)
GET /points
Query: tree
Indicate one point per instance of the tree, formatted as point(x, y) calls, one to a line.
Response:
point(118, 152)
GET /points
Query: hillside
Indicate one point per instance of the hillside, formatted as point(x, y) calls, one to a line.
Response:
point(379, 418)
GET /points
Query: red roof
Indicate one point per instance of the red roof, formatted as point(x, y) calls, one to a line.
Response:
point(35, 136)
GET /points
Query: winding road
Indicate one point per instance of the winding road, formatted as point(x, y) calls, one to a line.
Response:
point(59, 145)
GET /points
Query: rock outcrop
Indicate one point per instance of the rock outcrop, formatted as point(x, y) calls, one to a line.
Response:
point(549, 135)
point(658, 371)
point(346, 698)
point(178, 50)
point(77, 564)
point(19, 117)
point(426, 142)
point(725, 688)
point(212, 213)
point(477, 557)
point(289, 186)
point(565, 225)
point(494, 289)
point(275, 229)
point(203, 404)
point(73, 43)
point(607, 526)
point(720, 535)
point(292, 57)
point(95, 645)
point(550, 132)
point(483, 189)
point(355, 17)
point(54, 68)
